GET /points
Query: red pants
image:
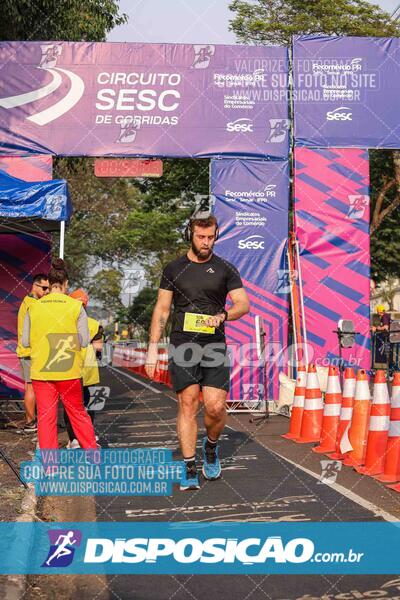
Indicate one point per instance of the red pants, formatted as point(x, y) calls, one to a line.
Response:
point(70, 391)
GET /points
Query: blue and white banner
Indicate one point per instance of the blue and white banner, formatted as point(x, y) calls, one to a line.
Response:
point(209, 548)
point(252, 204)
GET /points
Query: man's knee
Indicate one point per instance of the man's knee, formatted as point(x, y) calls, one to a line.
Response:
point(189, 403)
point(216, 410)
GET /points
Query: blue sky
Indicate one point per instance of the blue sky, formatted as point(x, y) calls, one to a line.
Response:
point(185, 21)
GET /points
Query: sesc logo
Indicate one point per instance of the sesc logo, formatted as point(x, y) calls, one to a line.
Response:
point(339, 114)
point(240, 126)
point(253, 242)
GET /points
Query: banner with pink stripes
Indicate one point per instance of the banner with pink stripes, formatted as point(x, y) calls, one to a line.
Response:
point(332, 226)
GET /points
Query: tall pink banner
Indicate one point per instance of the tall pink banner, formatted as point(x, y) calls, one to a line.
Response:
point(21, 257)
point(332, 226)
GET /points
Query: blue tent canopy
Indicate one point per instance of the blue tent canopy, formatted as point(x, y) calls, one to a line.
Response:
point(33, 206)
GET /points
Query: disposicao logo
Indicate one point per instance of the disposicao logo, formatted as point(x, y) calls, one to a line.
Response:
point(62, 547)
point(248, 551)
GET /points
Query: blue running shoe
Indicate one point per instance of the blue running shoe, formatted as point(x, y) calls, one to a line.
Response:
point(190, 479)
point(211, 464)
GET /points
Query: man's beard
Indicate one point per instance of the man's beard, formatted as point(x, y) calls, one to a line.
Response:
point(203, 254)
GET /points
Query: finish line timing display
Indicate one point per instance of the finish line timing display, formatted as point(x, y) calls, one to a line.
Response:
point(212, 548)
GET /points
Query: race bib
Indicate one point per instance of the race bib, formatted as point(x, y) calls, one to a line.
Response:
point(197, 323)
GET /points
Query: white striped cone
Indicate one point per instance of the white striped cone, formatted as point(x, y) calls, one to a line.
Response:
point(298, 405)
point(331, 414)
point(313, 410)
point(378, 428)
point(391, 471)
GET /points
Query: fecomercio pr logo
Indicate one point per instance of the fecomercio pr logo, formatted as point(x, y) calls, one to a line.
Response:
point(62, 547)
point(263, 195)
point(242, 125)
point(253, 242)
point(342, 113)
point(238, 79)
point(337, 65)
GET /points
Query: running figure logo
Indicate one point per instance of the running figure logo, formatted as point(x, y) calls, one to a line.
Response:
point(62, 352)
point(128, 131)
point(330, 469)
point(62, 547)
point(278, 129)
point(358, 203)
point(54, 206)
point(285, 281)
point(202, 56)
point(50, 54)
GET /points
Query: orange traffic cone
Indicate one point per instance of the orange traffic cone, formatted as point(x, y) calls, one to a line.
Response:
point(358, 431)
point(378, 428)
point(346, 410)
point(313, 410)
point(391, 472)
point(298, 404)
point(331, 414)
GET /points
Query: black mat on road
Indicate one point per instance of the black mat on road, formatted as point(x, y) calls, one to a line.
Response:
point(256, 485)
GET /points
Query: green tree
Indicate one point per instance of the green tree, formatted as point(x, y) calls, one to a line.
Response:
point(69, 20)
point(105, 287)
point(101, 206)
point(274, 22)
point(140, 311)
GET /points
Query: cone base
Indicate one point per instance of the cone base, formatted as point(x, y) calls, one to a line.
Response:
point(336, 456)
point(351, 462)
point(322, 449)
point(387, 478)
point(289, 436)
point(395, 487)
point(306, 440)
point(367, 471)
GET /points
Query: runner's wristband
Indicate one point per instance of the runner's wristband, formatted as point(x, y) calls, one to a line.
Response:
point(225, 312)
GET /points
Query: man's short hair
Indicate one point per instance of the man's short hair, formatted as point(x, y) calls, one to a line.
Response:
point(207, 222)
point(39, 277)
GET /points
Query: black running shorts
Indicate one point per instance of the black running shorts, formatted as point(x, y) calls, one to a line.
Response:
point(206, 365)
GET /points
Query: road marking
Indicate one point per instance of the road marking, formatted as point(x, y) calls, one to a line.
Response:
point(378, 512)
point(145, 385)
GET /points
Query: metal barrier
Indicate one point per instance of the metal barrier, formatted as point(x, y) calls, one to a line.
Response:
point(131, 355)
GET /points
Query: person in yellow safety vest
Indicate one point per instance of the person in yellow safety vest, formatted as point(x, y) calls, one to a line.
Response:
point(56, 328)
point(40, 287)
point(90, 369)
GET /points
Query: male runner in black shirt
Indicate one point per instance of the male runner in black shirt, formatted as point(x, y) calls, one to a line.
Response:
point(198, 284)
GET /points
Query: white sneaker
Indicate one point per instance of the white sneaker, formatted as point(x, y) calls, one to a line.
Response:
point(74, 445)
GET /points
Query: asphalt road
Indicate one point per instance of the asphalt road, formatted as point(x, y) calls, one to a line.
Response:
point(259, 483)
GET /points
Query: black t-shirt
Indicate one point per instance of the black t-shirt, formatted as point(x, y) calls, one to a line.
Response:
point(385, 320)
point(199, 288)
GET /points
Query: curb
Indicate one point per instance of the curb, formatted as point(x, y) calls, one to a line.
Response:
point(15, 588)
